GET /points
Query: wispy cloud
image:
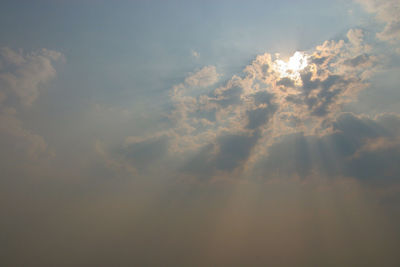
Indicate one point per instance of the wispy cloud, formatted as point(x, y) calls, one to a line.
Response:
point(386, 12)
point(22, 77)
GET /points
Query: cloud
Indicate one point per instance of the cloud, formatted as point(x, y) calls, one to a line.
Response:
point(228, 153)
point(144, 153)
point(204, 77)
point(22, 77)
point(217, 130)
point(15, 138)
point(119, 165)
point(359, 147)
point(386, 11)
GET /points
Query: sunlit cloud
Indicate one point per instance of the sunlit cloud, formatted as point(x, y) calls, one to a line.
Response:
point(229, 128)
point(292, 67)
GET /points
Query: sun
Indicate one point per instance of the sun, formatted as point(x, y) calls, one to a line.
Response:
point(292, 67)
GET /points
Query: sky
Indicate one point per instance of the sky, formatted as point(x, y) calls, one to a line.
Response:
point(200, 133)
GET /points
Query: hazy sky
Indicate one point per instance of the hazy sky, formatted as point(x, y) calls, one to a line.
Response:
point(200, 133)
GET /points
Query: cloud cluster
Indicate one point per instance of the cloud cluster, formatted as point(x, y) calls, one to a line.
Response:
point(268, 118)
point(22, 77)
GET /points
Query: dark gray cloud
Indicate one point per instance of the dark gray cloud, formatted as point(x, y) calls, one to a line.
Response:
point(208, 114)
point(261, 115)
point(258, 117)
point(358, 60)
point(319, 95)
point(228, 153)
point(229, 96)
point(233, 150)
point(363, 148)
point(286, 82)
point(142, 154)
point(319, 60)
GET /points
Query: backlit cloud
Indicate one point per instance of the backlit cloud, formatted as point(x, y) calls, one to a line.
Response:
point(234, 126)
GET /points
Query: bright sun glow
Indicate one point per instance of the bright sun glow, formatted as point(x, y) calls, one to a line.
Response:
point(292, 67)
